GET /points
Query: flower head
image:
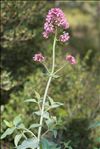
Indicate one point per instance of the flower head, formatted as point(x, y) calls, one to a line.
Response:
point(38, 57)
point(55, 17)
point(71, 59)
point(65, 37)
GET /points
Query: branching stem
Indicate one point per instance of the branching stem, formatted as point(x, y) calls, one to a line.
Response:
point(59, 69)
point(47, 87)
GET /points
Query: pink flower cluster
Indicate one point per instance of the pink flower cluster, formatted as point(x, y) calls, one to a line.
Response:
point(71, 59)
point(55, 17)
point(65, 37)
point(38, 57)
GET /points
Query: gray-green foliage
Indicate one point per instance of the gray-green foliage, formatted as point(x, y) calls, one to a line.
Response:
point(17, 124)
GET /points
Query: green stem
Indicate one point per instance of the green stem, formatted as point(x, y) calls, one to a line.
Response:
point(59, 69)
point(46, 67)
point(46, 90)
point(53, 56)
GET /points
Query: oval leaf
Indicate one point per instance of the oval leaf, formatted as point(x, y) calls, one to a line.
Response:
point(17, 139)
point(17, 120)
point(7, 123)
point(45, 114)
point(29, 143)
point(47, 145)
point(21, 126)
point(34, 126)
point(8, 131)
point(31, 100)
point(37, 95)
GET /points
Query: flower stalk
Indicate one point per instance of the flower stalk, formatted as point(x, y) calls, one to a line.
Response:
point(47, 87)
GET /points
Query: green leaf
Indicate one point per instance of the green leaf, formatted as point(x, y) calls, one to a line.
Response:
point(66, 144)
point(53, 104)
point(31, 100)
point(21, 126)
point(56, 76)
point(37, 95)
point(49, 122)
point(29, 143)
point(50, 100)
point(17, 120)
point(8, 123)
point(34, 126)
point(8, 131)
point(97, 139)
point(17, 139)
point(48, 145)
point(94, 125)
point(55, 133)
point(45, 114)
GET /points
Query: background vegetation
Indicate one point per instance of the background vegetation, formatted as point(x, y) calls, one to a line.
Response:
point(78, 87)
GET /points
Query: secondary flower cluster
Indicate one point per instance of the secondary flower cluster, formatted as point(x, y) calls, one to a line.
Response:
point(65, 37)
point(55, 18)
point(70, 59)
point(40, 58)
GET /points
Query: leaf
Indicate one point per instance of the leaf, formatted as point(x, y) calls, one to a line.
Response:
point(51, 100)
point(34, 126)
point(21, 126)
point(37, 95)
point(7, 123)
point(17, 120)
point(8, 131)
point(66, 144)
point(45, 114)
point(48, 145)
point(94, 125)
point(55, 105)
point(56, 76)
point(50, 122)
point(97, 139)
point(17, 139)
point(31, 100)
point(29, 143)
point(55, 133)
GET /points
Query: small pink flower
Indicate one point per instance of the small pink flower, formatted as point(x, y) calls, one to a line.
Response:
point(71, 59)
point(38, 57)
point(65, 37)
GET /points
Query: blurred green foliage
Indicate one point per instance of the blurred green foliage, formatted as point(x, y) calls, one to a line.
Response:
point(77, 87)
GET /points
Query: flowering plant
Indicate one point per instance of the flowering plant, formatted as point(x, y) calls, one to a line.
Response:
point(55, 20)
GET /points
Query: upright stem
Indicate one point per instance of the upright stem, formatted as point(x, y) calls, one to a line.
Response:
point(53, 54)
point(46, 90)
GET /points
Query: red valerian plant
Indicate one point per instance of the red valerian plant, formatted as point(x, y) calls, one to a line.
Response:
point(55, 21)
